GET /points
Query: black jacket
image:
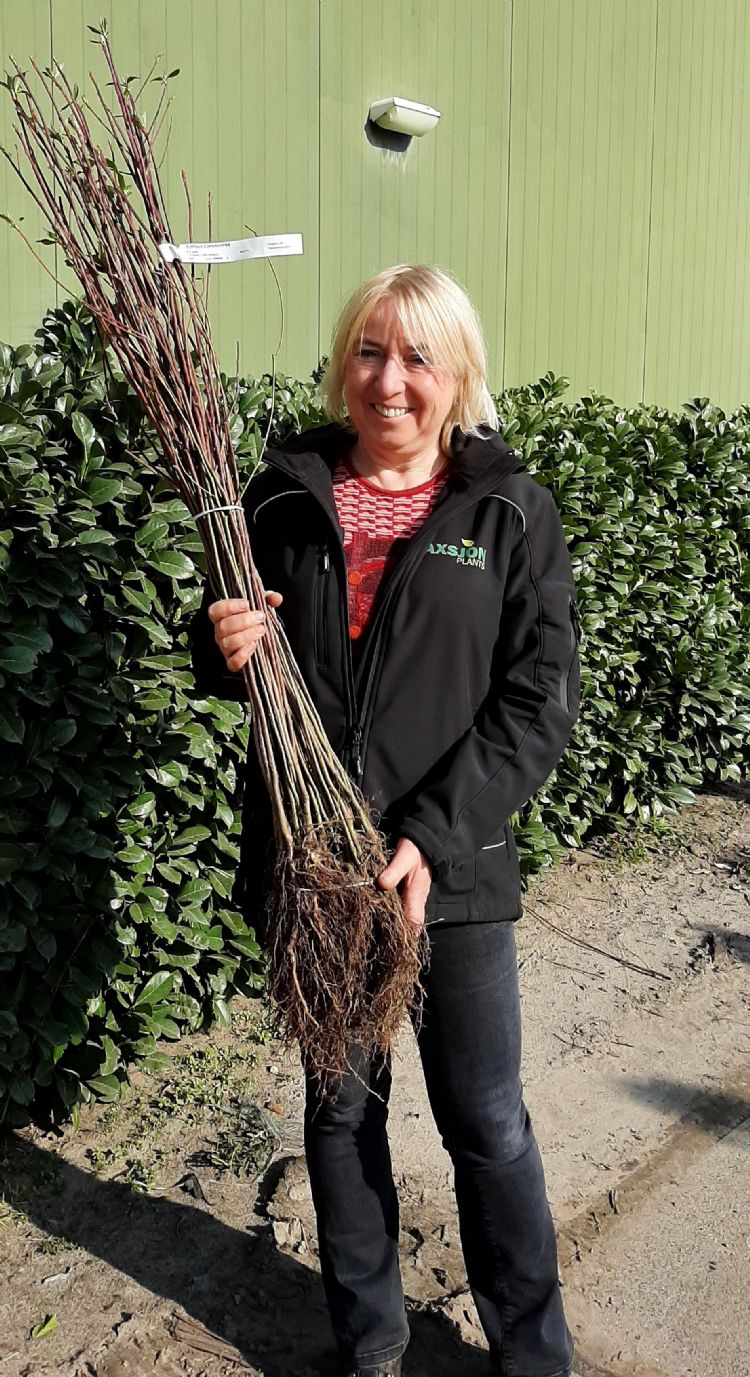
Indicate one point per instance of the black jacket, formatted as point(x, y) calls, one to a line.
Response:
point(467, 687)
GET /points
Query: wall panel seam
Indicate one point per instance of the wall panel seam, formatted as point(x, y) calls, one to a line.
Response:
point(509, 108)
point(650, 203)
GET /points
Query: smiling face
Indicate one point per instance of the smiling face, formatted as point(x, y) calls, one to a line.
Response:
point(397, 402)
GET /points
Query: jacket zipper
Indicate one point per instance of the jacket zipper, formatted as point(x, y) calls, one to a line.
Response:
point(575, 631)
point(359, 718)
point(321, 599)
point(397, 582)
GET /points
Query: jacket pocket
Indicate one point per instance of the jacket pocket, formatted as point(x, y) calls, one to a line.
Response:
point(574, 640)
point(455, 887)
point(320, 608)
point(498, 872)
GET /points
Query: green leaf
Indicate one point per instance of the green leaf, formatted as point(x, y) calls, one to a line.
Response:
point(157, 1062)
point(100, 490)
point(13, 435)
point(83, 428)
point(156, 632)
point(155, 701)
point(190, 836)
point(171, 562)
point(22, 1090)
point(235, 922)
point(155, 989)
point(153, 533)
point(58, 811)
point(164, 1027)
point(59, 733)
point(168, 873)
point(95, 536)
point(680, 794)
point(11, 723)
point(169, 775)
point(221, 1010)
point(33, 638)
point(245, 945)
point(72, 620)
point(47, 1326)
point(130, 855)
point(18, 659)
point(105, 1088)
point(195, 891)
point(137, 598)
point(221, 882)
point(162, 926)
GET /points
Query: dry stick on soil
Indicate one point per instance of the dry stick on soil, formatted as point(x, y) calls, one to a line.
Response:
point(589, 946)
point(344, 961)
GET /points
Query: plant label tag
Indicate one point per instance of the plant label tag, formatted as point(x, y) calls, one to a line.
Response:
point(233, 250)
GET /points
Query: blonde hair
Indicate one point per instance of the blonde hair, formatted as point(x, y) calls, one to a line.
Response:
point(439, 321)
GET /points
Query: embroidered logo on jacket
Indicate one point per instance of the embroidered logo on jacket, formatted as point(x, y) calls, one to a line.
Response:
point(465, 553)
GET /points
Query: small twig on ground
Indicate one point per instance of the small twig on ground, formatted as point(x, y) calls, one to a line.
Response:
point(195, 1336)
point(530, 956)
point(601, 951)
point(566, 965)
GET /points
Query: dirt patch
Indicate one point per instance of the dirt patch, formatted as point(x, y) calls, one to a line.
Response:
point(173, 1234)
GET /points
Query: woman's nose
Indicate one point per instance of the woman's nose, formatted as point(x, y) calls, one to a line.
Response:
point(391, 376)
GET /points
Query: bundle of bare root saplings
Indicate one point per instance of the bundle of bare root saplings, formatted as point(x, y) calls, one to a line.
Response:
point(344, 961)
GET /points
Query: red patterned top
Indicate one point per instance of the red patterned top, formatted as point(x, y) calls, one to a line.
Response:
point(377, 525)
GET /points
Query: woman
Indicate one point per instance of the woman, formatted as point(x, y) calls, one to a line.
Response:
point(424, 582)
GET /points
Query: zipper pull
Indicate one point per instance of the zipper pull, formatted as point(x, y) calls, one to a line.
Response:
point(324, 560)
point(355, 756)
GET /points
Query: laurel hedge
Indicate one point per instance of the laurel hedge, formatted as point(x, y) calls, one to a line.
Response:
point(119, 809)
point(656, 511)
point(119, 813)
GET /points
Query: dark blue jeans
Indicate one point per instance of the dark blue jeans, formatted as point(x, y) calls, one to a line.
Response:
point(470, 1045)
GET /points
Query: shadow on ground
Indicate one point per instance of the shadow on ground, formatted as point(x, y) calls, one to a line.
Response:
point(713, 1112)
point(714, 941)
point(184, 1255)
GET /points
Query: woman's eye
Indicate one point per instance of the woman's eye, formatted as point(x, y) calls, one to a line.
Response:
point(365, 353)
point(417, 358)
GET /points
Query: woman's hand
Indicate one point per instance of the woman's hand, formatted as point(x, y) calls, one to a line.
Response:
point(237, 630)
point(412, 871)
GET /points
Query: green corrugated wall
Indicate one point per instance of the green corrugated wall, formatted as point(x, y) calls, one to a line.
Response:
point(588, 181)
point(250, 138)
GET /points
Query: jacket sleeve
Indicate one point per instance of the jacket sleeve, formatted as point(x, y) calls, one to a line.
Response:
point(523, 725)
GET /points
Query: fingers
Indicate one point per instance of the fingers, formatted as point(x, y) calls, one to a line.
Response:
point(228, 607)
point(414, 897)
point(225, 607)
point(413, 893)
point(391, 877)
point(237, 628)
point(409, 869)
point(237, 658)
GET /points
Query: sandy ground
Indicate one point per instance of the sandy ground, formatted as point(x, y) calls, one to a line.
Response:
point(173, 1234)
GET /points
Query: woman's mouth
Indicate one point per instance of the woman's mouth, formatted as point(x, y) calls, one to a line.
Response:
point(391, 412)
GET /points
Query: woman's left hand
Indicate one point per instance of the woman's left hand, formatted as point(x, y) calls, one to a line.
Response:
point(412, 871)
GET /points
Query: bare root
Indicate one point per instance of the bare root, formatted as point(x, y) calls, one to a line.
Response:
point(345, 962)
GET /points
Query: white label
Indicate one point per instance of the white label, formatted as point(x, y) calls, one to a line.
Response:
point(233, 250)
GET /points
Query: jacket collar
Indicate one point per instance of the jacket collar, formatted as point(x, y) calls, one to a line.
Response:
point(312, 456)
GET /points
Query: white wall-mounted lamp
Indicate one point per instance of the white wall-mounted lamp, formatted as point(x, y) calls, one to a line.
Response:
point(404, 116)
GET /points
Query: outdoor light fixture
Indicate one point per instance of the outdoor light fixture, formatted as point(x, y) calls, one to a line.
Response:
point(404, 116)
